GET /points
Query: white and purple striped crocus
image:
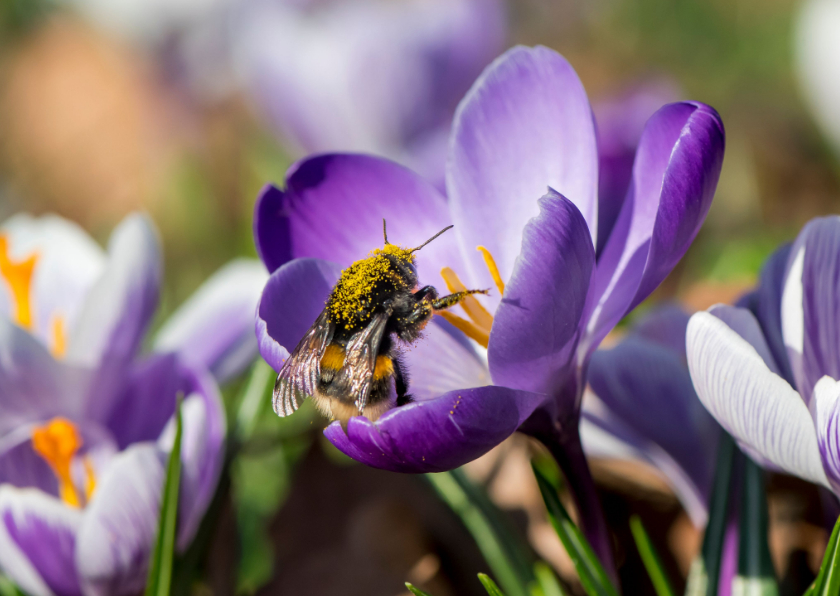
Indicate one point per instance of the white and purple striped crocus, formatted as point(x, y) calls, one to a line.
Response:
point(640, 405)
point(770, 373)
point(376, 76)
point(524, 131)
point(85, 420)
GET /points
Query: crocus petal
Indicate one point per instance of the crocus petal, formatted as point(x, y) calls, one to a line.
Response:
point(436, 435)
point(621, 121)
point(811, 304)
point(536, 327)
point(121, 304)
point(768, 307)
point(142, 409)
point(37, 542)
point(664, 325)
point(674, 178)
point(68, 262)
point(202, 451)
point(291, 301)
point(214, 327)
point(118, 531)
point(648, 387)
point(34, 386)
point(443, 360)
point(605, 436)
point(757, 407)
point(826, 419)
point(525, 125)
point(333, 209)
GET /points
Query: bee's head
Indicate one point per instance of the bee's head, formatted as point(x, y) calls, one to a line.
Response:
point(405, 254)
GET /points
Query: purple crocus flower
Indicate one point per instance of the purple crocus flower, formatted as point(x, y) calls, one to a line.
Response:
point(770, 374)
point(519, 360)
point(86, 423)
point(642, 406)
point(376, 76)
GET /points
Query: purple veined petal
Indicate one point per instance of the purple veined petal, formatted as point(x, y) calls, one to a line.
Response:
point(443, 360)
point(525, 125)
point(117, 534)
point(743, 322)
point(68, 263)
point(120, 306)
point(38, 535)
point(292, 299)
point(202, 451)
point(811, 304)
point(214, 327)
point(648, 387)
point(664, 325)
point(537, 325)
point(768, 307)
point(674, 178)
point(756, 406)
point(333, 208)
point(146, 403)
point(438, 434)
point(620, 121)
point(826, 412)
point(604, 436)
point(33, 385)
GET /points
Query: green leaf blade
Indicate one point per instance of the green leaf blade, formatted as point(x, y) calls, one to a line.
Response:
point(416, 591)
point(828, 579)
point(489, 585)
point(650, 558)
point(160, 566)
point(592, 575)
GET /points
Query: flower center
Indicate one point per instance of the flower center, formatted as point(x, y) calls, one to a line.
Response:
point(57, 442)
point(18, 278)
point(480, 320)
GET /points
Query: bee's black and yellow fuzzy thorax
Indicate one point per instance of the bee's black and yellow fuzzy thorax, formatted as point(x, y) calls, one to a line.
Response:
point(366, 284)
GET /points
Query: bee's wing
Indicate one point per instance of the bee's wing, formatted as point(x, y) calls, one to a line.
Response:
point(299, 376)
point(360, 358)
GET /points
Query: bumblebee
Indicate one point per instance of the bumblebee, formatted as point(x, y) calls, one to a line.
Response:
point(349, 362)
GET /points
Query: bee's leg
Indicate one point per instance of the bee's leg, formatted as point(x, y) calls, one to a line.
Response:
point(426, 292)
point(401, 383)
point(453, 299)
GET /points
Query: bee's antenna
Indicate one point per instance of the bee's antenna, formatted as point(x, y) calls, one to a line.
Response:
point(385, 231)
point(432, 238)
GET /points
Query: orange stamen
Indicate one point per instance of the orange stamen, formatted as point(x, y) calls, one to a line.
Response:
point(59, 337)
point(473, 307)
point(57, 442)
point(466, 327)
point(494, 270)
point(18, 277)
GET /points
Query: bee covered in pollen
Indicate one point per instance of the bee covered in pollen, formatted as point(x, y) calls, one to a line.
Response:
point(348, 362)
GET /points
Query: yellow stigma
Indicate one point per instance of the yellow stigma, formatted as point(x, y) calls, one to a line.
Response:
point(479, 322)
point(491, 266)
point(57, 442)
point(59, 337)
point(18, 278)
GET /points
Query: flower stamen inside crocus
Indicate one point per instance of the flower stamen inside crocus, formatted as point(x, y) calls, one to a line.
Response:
point(480, 320)
point(18, 277)
point(58, 442)
point(59, 337)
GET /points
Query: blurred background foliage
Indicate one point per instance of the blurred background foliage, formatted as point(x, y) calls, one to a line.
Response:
point(93, 125)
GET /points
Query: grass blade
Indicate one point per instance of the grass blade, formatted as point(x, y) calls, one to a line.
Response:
point(651, 560)
point(547, 581)
point(828, 579)
point(489, 585)
point(592, 575)
point(160, 565)
point(496, 546)
point(755, 567)
point(416, 591)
